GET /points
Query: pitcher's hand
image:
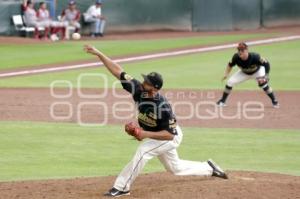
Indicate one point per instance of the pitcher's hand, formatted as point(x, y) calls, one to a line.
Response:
point(91, 50)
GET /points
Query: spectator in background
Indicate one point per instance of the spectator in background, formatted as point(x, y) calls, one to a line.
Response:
point(55, 26)
point(72, 16)
point(94, 16)
point(31, 19)
point(52, 7)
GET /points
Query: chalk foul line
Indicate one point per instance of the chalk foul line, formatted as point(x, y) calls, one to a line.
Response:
point(147, 57)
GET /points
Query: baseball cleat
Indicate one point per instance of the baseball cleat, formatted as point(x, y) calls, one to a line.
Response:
point(113, 192)
point(220, 103)
point(275, 104)
point(217, 171)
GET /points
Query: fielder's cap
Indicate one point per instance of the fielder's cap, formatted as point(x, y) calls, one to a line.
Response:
point(154, 79)
point(242, 46)
point(98, 1)
point(72, 2)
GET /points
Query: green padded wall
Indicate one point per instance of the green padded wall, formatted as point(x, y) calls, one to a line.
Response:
point(141, 14)
point(212, 15)
point(281, 12)
point(226, 14)
point(7, 9)
point(246, 14)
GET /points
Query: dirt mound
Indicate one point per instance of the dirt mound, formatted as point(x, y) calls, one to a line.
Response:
point(162, 185)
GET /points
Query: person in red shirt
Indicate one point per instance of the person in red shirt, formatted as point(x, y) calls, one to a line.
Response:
point(55, 26)
point(31, 19)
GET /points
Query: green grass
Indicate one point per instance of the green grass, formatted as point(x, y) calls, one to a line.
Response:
point(17, 56)
point(52, 150)
point(197, 71)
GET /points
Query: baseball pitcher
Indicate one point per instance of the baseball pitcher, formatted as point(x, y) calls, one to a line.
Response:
point(252, 66)
point(158, 125)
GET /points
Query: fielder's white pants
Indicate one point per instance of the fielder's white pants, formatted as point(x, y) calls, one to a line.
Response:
point(167, 154)
point(240, 76)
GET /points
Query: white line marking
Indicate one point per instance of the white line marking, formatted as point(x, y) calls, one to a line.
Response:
point(245, 178)
point(145, 57)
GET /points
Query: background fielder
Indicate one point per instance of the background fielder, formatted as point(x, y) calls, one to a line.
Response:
point(252, 66)
point(158, 123)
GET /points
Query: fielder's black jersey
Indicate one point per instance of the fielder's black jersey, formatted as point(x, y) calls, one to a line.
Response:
point(251, 65)
point(155, 114)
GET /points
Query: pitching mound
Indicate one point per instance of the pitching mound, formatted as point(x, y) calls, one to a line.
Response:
point(162, 185)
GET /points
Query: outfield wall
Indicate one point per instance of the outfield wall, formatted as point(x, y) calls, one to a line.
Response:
point(196, 15)
point(7, 9)
point(226, 15)
point(141, 14)
point(281, 12)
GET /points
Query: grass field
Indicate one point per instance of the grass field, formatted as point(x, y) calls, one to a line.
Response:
point(16, 56)
point(33, 150)
point(205, 68)
point(45, 150)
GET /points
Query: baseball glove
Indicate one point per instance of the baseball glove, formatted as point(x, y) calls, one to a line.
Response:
point(262, 80)
point(133, 130)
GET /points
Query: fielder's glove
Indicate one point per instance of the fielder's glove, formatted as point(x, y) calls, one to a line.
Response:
point(133, 130)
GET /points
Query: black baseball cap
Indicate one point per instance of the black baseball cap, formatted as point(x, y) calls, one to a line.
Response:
point(154, 79)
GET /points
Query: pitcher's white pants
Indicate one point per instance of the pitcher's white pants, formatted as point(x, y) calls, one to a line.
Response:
point(167, 154)
point(240, 76)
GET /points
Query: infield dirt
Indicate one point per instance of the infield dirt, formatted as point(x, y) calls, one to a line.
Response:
point(246, 185)
point(34, 104)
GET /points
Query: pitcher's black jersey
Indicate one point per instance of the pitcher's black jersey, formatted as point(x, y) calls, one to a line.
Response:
point(155, 114)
